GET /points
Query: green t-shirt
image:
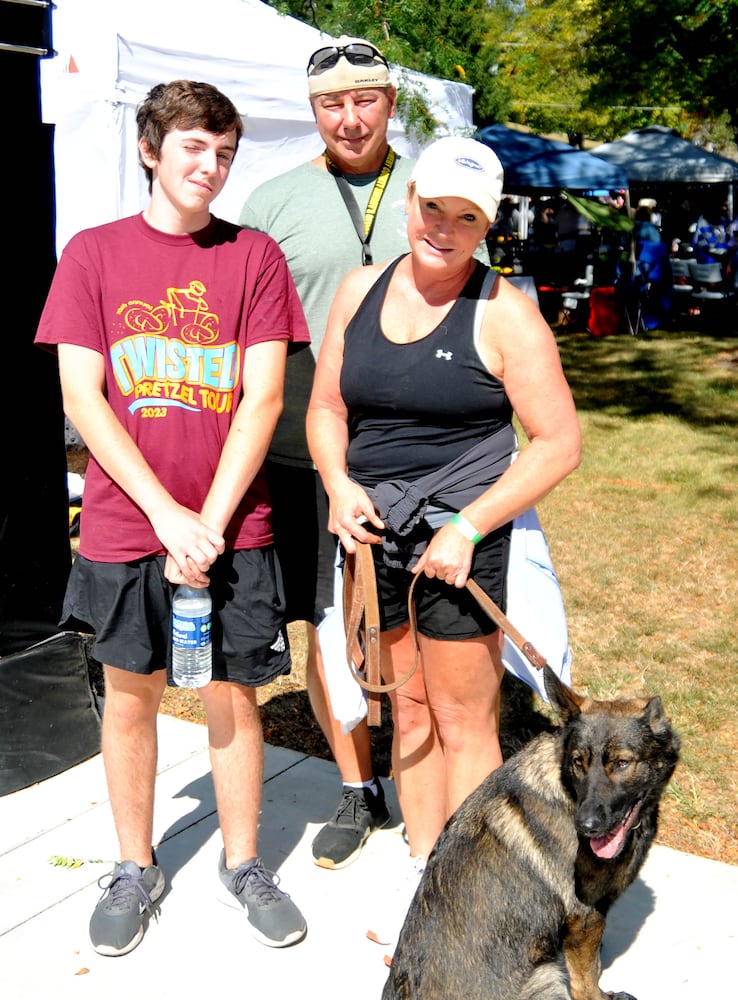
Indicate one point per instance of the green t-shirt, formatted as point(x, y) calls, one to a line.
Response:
point(304, 212)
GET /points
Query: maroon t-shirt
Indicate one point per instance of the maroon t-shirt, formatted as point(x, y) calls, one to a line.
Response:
point(173, 317)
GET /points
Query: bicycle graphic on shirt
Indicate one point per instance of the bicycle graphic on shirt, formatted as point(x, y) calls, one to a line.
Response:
point(186, 306)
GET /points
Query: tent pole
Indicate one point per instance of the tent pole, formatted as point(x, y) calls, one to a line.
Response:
point(523, 224)
point(632, 255)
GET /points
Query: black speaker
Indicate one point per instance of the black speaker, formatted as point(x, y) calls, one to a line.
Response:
point(49, 714)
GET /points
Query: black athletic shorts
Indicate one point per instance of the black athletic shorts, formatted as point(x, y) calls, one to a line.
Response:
point(306, 549)
point(444, 611)
point(127, 606)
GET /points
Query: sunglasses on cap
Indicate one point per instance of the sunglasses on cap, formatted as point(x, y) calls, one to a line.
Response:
point(357, 53)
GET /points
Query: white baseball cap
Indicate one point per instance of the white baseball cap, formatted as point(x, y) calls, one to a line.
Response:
point(454, 167)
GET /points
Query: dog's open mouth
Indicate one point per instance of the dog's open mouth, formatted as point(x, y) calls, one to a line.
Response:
point(612, 843)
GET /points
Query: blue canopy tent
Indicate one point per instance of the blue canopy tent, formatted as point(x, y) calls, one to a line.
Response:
point(533, 164)
point(537, 166)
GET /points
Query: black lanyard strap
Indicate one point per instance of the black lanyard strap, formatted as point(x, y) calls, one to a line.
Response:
point(363, 225)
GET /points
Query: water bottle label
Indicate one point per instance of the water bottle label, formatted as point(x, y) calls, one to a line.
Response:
point(191, 633)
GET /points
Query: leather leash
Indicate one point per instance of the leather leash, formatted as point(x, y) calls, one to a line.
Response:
point(361, 607)
point(486, 603)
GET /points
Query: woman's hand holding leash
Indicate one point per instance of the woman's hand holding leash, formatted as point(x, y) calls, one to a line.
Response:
point(448, 557)
point(350, 509)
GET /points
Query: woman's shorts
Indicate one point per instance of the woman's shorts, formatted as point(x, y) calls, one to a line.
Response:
point(127, 606)
point(443, 611)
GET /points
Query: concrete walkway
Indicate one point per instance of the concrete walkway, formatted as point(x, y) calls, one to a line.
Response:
point(672, 935)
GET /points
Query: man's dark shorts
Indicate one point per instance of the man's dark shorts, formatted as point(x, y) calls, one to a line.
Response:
point(443, 611)
point(306, 549)
point(127, 606)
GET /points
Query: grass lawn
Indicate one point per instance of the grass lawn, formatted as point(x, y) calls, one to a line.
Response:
point(644, 538)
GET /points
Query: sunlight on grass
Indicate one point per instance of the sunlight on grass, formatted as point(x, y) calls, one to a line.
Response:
point(644, 540)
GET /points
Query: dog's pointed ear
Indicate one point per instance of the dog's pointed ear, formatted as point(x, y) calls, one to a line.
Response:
point(563, 700)
point(658, 722)
point(655, 715)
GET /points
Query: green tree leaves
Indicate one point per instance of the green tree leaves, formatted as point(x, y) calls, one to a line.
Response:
point(593, 68)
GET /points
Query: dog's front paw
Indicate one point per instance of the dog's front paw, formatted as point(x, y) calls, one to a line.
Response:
point(620, 996)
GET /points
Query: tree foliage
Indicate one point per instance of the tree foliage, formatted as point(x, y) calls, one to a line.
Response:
point(665, 51)
point(601, 67)
point(540, 46)
point(442, 38)
point(594, 68)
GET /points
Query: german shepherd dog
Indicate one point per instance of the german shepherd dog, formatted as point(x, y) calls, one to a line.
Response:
point(513, 901)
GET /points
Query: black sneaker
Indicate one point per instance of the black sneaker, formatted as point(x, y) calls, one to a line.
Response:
point(359, 812)
point(117, 922)
point(274, 918)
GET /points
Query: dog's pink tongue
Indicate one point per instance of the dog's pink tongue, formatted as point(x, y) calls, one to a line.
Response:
point(611, 844)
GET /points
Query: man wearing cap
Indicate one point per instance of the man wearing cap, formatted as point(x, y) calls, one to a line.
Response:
point(343, 209)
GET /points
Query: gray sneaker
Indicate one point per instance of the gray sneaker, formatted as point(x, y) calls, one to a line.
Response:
point(359, 813)
point(274, 918)
point(117, 922)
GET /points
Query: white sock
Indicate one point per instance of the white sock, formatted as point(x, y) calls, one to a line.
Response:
point(371, 785)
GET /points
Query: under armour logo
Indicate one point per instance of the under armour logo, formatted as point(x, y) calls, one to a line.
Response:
point(279, 645)
point(445, 355)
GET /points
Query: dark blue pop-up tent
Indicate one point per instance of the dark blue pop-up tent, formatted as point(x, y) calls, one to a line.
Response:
point(533, 164)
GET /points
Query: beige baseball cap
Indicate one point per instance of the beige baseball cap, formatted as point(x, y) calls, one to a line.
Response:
point(455, 167)
point(348, 64)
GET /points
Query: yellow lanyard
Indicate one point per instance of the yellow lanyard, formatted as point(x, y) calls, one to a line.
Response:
point(374, 199)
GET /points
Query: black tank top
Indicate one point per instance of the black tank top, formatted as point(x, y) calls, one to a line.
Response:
point(415, 407)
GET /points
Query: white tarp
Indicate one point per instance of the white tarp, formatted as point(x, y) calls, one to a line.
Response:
point(111, 52)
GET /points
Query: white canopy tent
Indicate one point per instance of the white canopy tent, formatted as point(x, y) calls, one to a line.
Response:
point(111, 52)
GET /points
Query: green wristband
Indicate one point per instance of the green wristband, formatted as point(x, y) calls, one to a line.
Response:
point(466, 528)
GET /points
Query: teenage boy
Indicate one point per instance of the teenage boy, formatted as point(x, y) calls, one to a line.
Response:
point(172, 329)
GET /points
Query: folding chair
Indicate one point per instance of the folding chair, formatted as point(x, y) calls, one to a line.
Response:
point(710, 291)
point(628, 292)
point(681, 285)
point(575, 301)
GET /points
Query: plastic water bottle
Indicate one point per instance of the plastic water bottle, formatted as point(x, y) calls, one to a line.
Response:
point(192, 651)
